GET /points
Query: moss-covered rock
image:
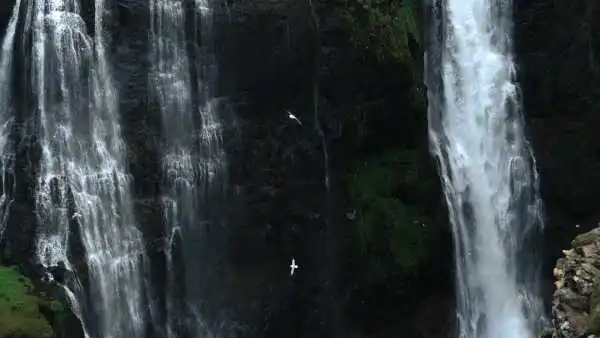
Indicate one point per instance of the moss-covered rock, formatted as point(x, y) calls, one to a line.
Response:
point(585, 239)
point(60, 317)
point(384, 27)
point(387, 225)
point(20, 315)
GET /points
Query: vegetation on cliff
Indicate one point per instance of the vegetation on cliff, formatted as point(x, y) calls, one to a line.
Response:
point(391, 186)
point(20, 314)
point(23, 313)
point(385, 179)
point(386, 28)
point(384, 222)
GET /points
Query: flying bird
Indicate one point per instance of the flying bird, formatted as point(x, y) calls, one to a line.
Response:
point(293, 267)
point(293, 117)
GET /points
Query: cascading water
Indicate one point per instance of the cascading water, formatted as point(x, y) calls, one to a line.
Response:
point(6, 116)
point(193, 161)
point(487, 169)
point(82, 182)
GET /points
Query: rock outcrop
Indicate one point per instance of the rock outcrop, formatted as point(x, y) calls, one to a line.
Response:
point(576, 299)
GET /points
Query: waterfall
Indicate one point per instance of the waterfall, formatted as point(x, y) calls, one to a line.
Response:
point(193, 161)
point(6, 116)
point(83, 187)
point(486, 166)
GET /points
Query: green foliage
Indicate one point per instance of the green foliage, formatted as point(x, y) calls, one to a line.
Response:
point(20, 315)
point(386, 36)
point(57, 314)
point(384, 27)
point(385, 225)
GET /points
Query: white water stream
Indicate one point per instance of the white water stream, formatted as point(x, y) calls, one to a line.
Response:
point(487, 169)
point(7, 116)
point(83, 183)
point(193, 160)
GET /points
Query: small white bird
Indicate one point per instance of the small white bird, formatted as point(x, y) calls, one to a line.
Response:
point(76, 215)
point(293, 267)
point(293, 117)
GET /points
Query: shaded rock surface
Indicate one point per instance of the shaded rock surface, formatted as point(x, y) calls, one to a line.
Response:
point(576, 299)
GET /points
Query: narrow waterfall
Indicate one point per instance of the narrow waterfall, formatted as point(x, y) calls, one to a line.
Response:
point(83, 187)
point(6, 116)
point(486, 166)
point(193, 162)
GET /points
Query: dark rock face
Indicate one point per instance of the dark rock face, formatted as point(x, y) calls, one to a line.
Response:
point(557, 50)
point(561, 97)
point(557, 46)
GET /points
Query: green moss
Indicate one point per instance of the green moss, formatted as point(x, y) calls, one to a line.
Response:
point(358, 119)
point(56, 313)
point(387, 226)
point(593, 325)
point(383, 27)
point(20, 316)
point(585, 239)
point(57, 306)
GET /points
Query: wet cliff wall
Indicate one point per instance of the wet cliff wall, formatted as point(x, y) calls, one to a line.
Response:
point(376, 244)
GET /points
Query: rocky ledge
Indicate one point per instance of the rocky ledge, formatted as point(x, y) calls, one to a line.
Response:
point(576, 299)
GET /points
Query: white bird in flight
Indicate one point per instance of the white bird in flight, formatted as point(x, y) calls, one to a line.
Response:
point(293, 117)
point(293, 267)
point(76, 215)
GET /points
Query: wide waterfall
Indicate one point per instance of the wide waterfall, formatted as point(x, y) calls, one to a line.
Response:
point(487, 169)
point(193, 162)
point(83, 187)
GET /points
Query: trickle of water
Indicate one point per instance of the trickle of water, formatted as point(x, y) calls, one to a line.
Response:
point(83, 184)
point(486, 166)
point(193, 160)
point(6, 116)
